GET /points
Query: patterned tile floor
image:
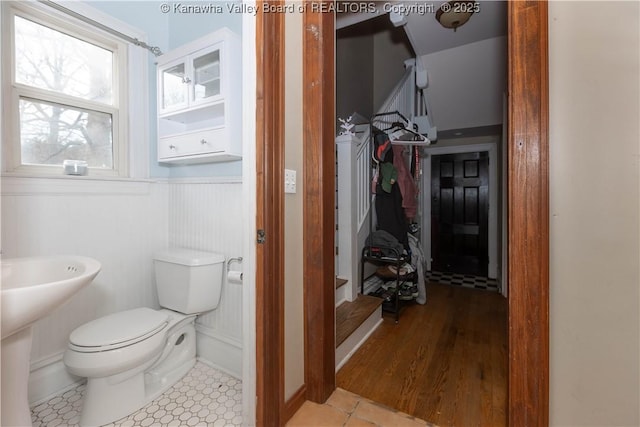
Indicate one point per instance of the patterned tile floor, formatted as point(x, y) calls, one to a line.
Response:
point(204, 397)
point(464, 280)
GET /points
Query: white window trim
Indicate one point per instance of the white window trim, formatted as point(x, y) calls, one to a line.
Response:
point(130, 159)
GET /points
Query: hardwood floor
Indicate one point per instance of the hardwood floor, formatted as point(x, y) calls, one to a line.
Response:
point(444, 362)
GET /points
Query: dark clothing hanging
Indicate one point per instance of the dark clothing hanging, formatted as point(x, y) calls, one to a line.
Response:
point(406, 184)
point(390, 214)
point(381, 146)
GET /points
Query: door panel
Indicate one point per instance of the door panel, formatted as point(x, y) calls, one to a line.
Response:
point(460, 207)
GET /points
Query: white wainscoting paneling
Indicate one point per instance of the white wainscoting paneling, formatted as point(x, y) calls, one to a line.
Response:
point(120, 224)
point(207, 215)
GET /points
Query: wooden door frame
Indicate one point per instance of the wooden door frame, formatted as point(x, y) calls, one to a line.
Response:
point(528, 213)
point(270, 218)
point(319, 203)
point(528, 223)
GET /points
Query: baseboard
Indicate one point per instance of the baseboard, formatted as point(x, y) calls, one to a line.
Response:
point(357, 338)
point(340, 294)
point(48, 378)
point(294, 403)
point(218, 351)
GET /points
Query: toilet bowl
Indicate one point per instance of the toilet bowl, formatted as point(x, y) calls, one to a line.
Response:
point(131, 357)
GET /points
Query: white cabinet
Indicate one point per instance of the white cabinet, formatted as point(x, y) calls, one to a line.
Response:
point(199, 101)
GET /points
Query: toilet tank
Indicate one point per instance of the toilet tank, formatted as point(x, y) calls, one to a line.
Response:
point(188, 281)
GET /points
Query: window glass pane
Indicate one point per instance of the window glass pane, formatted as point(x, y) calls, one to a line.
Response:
point(51, 133)
point(49, 59)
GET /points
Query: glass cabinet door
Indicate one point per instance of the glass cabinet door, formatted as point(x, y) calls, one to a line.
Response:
point(174, 84)
point(206, 75)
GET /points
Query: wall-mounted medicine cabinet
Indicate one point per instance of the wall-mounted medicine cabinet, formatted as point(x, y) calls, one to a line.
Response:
point(199, 101)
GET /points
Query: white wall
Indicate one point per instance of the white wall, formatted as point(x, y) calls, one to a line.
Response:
point(466, 84)
point(594, 73)
point(389, 54)
point(369, 63)
point(293, 211)
point(248, 217)
point(354, 75)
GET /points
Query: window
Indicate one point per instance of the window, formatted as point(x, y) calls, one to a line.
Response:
point(66, 86)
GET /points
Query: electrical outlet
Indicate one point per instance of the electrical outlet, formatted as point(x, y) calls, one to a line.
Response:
point(289, 181)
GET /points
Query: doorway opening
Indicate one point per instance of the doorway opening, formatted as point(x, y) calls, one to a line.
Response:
point(458, 227)
point(460, 213)
point(490, 267)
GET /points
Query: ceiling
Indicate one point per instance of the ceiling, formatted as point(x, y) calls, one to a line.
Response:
point(425, 32)
point(428, 36)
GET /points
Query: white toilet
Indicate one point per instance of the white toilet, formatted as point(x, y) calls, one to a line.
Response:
point(131, 357)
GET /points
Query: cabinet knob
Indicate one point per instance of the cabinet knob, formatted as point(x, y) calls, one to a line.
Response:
point(203, 141)
point(186, 79)
point(172, 147)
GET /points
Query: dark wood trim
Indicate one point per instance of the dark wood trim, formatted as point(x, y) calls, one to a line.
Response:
point(269, 217)
point(319, 202)
point(294, 403)
point(528, 214)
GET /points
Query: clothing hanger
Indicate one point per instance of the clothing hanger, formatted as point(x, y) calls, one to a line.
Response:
point(395, 125)
point(405, 136)
point(402, 134)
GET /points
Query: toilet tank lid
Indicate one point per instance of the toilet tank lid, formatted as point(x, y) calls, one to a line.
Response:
point(188, 257)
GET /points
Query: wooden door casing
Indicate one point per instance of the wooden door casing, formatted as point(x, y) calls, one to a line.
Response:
point(269, 218)
point(528, 213)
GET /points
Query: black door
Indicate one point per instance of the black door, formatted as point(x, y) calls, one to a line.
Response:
point(459, 213)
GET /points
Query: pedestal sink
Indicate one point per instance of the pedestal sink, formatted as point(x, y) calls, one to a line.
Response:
point(32, 288)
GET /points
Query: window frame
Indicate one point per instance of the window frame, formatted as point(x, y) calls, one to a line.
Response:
point(13, 91)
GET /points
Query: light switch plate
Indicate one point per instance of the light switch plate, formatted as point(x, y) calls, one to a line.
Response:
point(289, 181)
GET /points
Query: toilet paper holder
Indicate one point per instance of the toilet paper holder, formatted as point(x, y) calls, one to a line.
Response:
point(237, 259)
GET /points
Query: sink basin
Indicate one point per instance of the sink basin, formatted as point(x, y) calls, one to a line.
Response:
point(30, 289)
point(33, 287)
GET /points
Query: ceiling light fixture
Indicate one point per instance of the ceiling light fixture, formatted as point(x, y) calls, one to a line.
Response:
point(454, 14)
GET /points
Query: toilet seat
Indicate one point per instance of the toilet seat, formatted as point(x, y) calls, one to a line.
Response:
point(118, 330)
